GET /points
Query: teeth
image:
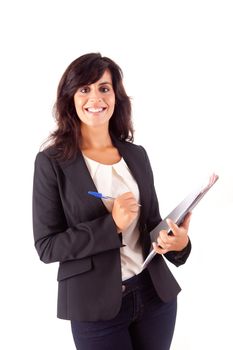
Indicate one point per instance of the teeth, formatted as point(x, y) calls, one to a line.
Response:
point(95, 110)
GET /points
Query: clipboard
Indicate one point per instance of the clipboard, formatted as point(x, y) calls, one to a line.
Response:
point(178, 213)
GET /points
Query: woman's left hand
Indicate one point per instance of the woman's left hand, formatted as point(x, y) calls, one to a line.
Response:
point(175, 242)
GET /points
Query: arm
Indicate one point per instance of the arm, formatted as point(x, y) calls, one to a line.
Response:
point(54, 240)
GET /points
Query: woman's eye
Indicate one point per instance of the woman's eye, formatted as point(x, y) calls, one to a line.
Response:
point(104, 89)
point(84, 89)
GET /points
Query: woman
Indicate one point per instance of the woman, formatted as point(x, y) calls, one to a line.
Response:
point(102, 243)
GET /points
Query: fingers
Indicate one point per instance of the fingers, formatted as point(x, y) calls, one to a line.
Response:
point(125, 210)
point(158, 249)
point(172, 226)
point(185, 225)
point(127, 201)
point(164, 241)
point(175, 242)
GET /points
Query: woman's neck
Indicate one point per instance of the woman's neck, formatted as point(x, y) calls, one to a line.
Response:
point(95, 138)
point(97, 145)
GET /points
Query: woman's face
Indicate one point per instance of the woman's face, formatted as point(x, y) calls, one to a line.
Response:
point(95, 103)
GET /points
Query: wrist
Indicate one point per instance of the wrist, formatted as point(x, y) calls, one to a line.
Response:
point(185, 244)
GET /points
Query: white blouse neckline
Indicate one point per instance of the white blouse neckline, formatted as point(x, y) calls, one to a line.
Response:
point(94, 165)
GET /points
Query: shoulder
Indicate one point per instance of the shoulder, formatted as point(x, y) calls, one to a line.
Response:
point(44, 156)
point(48, 159)
point(49, 154)
point(45, 160)
point(131, 147)
point(136, 152)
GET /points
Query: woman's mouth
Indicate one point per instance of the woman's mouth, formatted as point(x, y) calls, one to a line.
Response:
point(95, 110)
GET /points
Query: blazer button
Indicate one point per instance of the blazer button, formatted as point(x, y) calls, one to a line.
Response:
point(123, 288)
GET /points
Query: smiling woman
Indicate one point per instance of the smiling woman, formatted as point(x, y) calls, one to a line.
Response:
point(111, 301)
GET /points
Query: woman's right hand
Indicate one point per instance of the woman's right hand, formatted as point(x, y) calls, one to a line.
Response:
point(125, 210)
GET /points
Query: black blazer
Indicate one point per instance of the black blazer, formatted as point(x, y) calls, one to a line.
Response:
point(76, 230)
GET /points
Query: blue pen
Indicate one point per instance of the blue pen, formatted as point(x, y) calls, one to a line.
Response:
point(100, 195)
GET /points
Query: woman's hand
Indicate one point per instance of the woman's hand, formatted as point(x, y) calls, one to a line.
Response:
point(175, 242)
point(125, 210)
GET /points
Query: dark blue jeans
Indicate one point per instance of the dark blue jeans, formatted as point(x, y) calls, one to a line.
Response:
point(144, 322)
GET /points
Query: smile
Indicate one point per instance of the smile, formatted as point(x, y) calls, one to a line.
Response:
point(95, 110)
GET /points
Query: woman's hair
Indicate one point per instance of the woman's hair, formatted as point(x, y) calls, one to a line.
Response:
point(85, 70)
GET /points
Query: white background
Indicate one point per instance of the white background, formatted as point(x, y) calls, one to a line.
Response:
point(177, 59)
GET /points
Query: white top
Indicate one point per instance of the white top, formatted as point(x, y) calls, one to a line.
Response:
point(114, 180)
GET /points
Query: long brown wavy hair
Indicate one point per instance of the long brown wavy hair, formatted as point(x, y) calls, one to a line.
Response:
point(85, 70)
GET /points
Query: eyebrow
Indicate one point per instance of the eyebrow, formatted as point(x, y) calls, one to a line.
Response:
point(105, 82)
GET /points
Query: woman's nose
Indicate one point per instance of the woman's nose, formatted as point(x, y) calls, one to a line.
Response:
point(95, 96)
point(95, 99)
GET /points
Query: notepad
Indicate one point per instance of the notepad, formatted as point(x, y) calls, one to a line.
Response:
point(178, 214)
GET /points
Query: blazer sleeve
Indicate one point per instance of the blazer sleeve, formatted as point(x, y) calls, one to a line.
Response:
point(154, 218)
point(54, 240)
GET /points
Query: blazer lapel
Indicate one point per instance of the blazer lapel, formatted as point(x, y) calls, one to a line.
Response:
point(78, 174)
point(135, 161)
